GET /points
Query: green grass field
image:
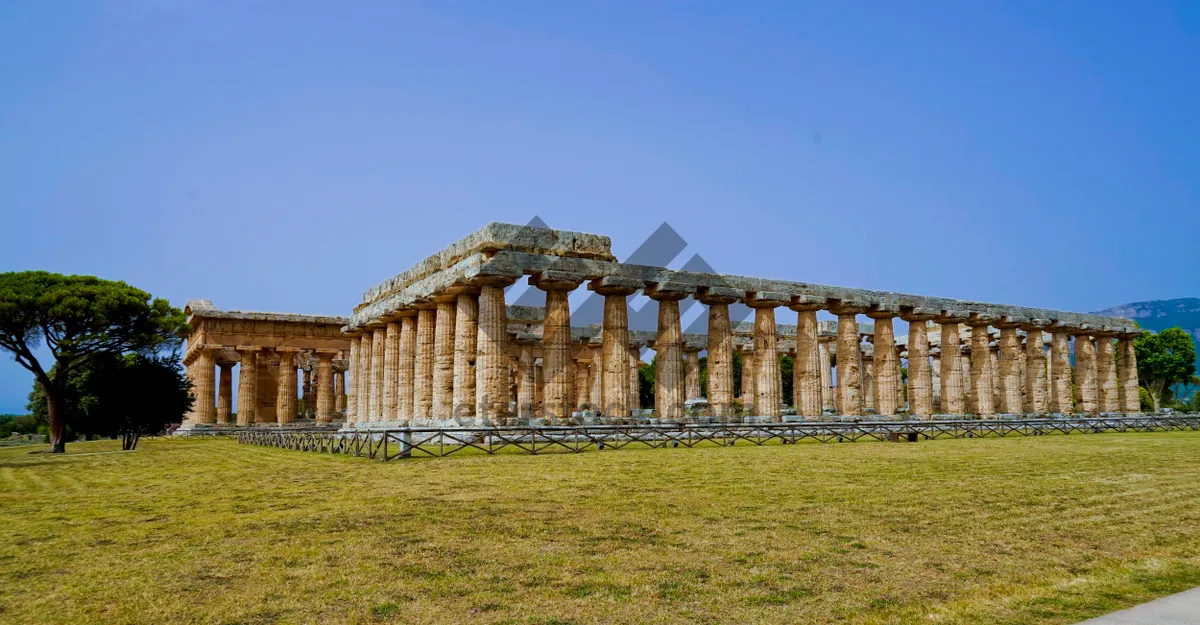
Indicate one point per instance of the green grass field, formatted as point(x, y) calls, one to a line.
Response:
point(1051, 529)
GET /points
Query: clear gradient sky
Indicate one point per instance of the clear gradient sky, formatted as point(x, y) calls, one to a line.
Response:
point(287, 156)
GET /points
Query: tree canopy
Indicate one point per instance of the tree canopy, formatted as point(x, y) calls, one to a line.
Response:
point(78, 318)
point(1164, 360)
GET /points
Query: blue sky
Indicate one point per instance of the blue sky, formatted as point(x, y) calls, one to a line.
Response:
point(289, 155)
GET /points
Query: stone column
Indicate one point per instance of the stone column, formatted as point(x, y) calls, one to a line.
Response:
point(325, 387)
point(1085, 372)
point(994, 358)
point(920, 372)
point(981, 366)
point(1060, 371)
point(406, 360)
point(953, 384)
point(668, 347)
point(285, 397)
point(691, 372)
point(1131, 401)
point(305, 390)
point(225, 394)
point(1035, 367)
point(887, 371)
point(749, 381)
point(466, 335)
point(443, 358)
point(866, 359)
point(339, 391)
point(964, 360)
point(828, 399)
point(491, 356)
point(355, 370)
point(901, 391)
point(247, 384)
point(935, 371)
point(423, 364)
point(768, 384)
point(363, 375)
point(556, 344)
point(539, 389)
point(595, 381)
point(525, 385)
point(849, 363)
point(378, 344)
point(810, 362)
point(391, 371)
point(203, 372)
point(1108, 388)
point(579, 386)
point(614, 340)
point(1010, 366)
point(635, 380)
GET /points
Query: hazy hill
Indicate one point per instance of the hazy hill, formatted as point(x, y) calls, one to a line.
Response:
point(1161, 314)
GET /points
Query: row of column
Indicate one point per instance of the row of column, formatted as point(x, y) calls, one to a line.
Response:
point(448, 358)
point(257, 367)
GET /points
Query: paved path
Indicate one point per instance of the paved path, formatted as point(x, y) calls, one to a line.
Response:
point(1180, 609)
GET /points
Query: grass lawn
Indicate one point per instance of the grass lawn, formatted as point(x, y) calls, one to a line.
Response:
point(1050, 529)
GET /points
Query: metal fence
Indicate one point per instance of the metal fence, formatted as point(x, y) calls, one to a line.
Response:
point(390, 444)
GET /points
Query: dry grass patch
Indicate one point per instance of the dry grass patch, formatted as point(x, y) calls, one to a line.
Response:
point(1017, 530)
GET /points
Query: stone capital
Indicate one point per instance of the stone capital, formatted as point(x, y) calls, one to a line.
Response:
point(883, 311)
point(248, 348)
point(492, 280)
point(551, 280)
point(1009, 322)
point(667, 291)
point(806, 303)
point(615, 285)
point(1036, 325)
point(915, 313)
point(978, 319)
point(766, 299)
point(945, 317)
point(718, 295)
point(848, 306)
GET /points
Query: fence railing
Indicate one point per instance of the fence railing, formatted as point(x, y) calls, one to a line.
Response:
point(390, 444)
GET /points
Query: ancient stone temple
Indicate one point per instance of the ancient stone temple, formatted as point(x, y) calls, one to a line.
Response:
point(290, 369)
point(437, 345)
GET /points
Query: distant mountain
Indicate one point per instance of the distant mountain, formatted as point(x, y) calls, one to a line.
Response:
point(1161, 314)
point(1158, 315)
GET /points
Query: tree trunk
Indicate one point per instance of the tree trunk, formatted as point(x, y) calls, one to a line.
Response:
point(58, 427)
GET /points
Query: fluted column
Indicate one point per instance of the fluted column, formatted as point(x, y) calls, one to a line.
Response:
point(1107, 386)
point(525, 384)
point(539, 390)
point(354, 368)
point(579, 385)
point(614, 357)
point(1060, 371)
point(364, 379)
point(807, 384)
point(285, 398)
point(247, 385)
point(339, 391)
point(204, 408)
point(1130, 397)
point(635, 380)
point(1036, 391)
point(935, 372)
point(768, 383)
point(1010, 367)
point(443, 358)
point(1085, 373)
point(849, 362)
point(691, 373)
point(668, 348)
point(920, 371)
point(994, 359)
point(225, 394)
point(749, 381)
point(325, 387)
point(887, 371)
point(466, 336)
point(556, 346)
point(406, 359)
point(378, 345)
point(866, 360)
point(491, 357)
point(595, 381)
point(981, 366)
point(828, 396)
point(423, 364)
point(391, 369)
point(953, 382)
